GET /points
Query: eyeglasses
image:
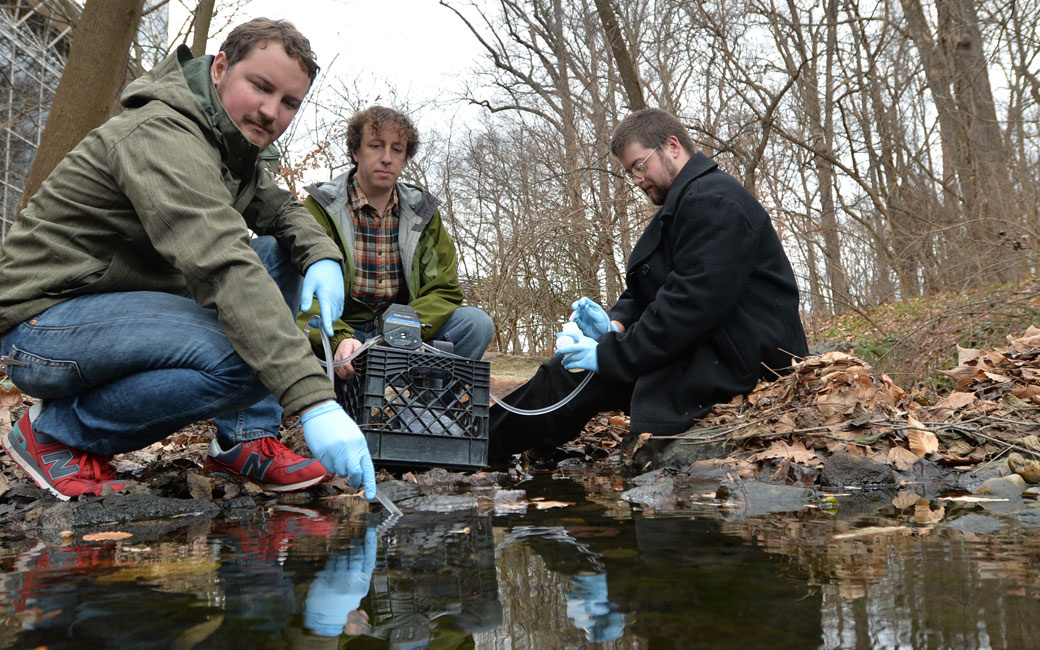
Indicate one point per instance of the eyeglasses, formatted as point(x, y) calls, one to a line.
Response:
point(639, 169)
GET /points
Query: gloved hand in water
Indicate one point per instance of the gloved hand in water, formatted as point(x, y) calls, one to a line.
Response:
point(338, 589)
point(338, 444)
point(580, 354)
point(324, 278)
point(591, 318)
point(591, 611)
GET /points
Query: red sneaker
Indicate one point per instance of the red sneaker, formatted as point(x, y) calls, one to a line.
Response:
point(268, 462)
point(63, 471)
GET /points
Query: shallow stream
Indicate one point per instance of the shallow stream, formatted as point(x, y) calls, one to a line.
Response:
point(575, 567)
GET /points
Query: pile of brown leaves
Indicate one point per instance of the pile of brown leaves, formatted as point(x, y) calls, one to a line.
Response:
point(834, 403)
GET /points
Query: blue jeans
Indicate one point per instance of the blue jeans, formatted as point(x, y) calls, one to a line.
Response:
point(119, 371)
point(468, 328)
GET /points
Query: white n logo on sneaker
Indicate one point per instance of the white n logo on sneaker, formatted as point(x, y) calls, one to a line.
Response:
point(62, 466)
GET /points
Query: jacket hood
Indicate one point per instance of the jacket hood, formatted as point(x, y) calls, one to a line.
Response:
point(175, 81)
point(184, 83)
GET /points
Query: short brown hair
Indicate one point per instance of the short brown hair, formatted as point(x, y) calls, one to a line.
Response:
point(258, 31)
point(650, 127)
point(378, 118)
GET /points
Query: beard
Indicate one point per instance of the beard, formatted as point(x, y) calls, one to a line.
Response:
point(658, 193)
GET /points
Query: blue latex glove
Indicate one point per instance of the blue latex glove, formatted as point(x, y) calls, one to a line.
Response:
point(338, 444)
point(580, 354)
point(325, 278)
point(591, 318)
point(589, 609)
point(339, 588)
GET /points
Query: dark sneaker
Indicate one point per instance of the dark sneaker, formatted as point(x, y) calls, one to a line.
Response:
point(63, 471)
point(268, 462)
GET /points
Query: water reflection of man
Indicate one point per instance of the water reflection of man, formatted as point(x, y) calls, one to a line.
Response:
point(414, 604)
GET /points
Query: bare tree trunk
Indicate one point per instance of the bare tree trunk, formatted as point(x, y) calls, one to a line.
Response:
point(92, 77)
point(626, 67)
point(840, 299)
point(958, 78)
point(203, 14)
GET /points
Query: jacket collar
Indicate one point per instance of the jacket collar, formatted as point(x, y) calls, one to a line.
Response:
point(698, 165)
point(416, 203)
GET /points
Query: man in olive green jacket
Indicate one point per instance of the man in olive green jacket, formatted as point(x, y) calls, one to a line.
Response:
point(136, 302)
point(394, 242)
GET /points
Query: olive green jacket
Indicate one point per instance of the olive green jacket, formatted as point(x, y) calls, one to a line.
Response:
point(427, 255)
point(159, 198)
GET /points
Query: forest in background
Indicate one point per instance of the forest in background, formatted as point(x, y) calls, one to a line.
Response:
point(893, 142)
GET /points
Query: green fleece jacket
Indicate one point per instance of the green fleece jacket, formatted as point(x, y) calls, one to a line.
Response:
point(427, 255)
point(159, 198)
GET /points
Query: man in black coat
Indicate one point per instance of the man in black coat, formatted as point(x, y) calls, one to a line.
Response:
point(710, 305)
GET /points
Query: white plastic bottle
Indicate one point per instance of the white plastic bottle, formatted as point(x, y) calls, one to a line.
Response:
point(571, 329)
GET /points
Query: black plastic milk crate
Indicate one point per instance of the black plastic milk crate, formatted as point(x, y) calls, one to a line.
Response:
point(419, 407)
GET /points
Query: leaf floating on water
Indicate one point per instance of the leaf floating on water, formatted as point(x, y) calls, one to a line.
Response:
point(522, 505)
point(923, 513)
point(104, 537)
point(906, 499)
point(545, 505)
point(873, 530)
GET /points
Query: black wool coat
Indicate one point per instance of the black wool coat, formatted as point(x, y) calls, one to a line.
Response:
point(710, 305)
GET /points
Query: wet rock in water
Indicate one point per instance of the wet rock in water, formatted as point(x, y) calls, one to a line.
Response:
point(1029, 518)
point(440, 503)
point(653, 490)
point(673, 453)
point(852, 469)
point(857, 505)
point(654, 477)
point(239, 502)
point(979, 524)
point(121, 509)
point(922, 471)
point(705, 471)
point(399, 490)
point(1012, 485)
point(971, 480)
point(751, 498)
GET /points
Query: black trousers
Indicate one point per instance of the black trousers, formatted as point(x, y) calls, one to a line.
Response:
point(510, 433)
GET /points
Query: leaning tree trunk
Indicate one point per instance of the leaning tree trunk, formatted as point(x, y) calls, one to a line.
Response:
point(93, 75)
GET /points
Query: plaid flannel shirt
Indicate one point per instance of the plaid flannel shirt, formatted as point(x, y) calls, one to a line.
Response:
point(378, 274)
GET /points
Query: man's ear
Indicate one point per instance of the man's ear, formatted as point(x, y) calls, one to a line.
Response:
point(674, 146)
point(219, 67)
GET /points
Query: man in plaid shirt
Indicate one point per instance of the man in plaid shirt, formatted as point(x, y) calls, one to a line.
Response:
point(394, 242)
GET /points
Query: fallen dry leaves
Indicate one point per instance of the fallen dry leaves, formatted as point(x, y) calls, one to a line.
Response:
point(104, 537)
point(834, 402)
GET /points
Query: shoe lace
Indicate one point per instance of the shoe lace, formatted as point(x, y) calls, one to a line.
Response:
point(271, 447)
point(93, 467)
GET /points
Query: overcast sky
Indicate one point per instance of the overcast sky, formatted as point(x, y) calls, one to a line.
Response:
point(418, 44)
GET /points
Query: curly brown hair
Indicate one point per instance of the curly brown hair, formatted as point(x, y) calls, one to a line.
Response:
point(259, 31)
point(377, 118)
